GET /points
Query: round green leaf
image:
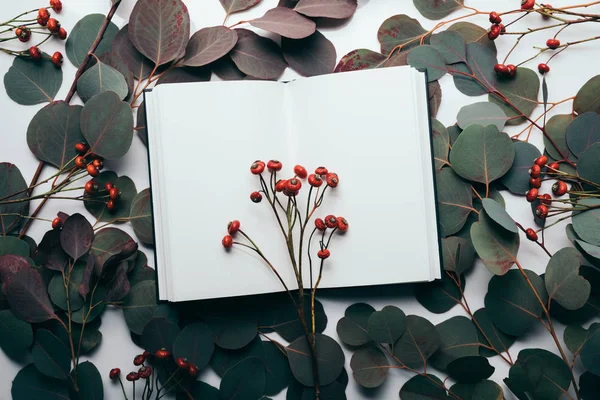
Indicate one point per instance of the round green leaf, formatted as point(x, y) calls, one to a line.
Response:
point(107, 125)
point(510, 303)
point(311, 56)
point(454, 201)
point(419, 342)
point(451, 45)
point(200, 390)
point(458, 339)
point(17, 335)
point(232, 334)
point(84, 33)
point(139, 305)
point(587, 223)
point(588, 166)
point(369, 366)
point(96, 204)
point(30, 82)
point(158, 334)
point(563, 282)
point(574, 337)
point(13, 245)
point(420, 387)
point(439, 296)
point(496, 246)
point(57, 292)
point(387, 325)
point(286, 322)
point(101, 78)
point(556, 129)
point(195, 343)
point(11, 182)
point(590, 350)
point(458, 254)
point(111, 246)
point(427, 58)
point(88, 312)
point(517, 178)
point(31, 384)
point(330, 360)
point(540, 373)
point(589, 386)
point(89, 382)
point(583, 132)
point(482, 154)
point(470, 369)
point(591, 308)
point(498, 214)
point(50, 355)
point(360, 59)
point(587, 97)
point(245, 380)
point(222, 360)
point(522, 91)
point(277, 368)
point(483, 113)
point(435, 10)
point(257, 56)
point(441, 143)
point(53, 133)
point(208, 45)
point(115, 61)
point(473, 33)
point(591, 252)
point(484, 390)
point(491, 336)
point(141, 217)
point(353, 327)
point(480, 61)
point(399, 30)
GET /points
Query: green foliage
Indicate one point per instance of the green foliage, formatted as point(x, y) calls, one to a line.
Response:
point(30, 82)
point(522, 92)
point(588, 167)
point(50, 355)
point(387, 325)
point(89, 383)
point(195, 343)
point(454, 201)
point(399, 30)
point(563, 282)
point(17, 335)
point(586, 98)
point(483, 390)
point(330, 360)
point(435, 10)
point(496, 246)
point(423, 387)
point(517, 178)
point(83, 35)
point(245, 380)
point(470, 369)
point(484, 113)
point(31, 384)
point(491, 336)
point(458, 339)
point(418, 343)
point(101, 78)
point(458, 254)
point(11, 182)
point(440, 295)
point(139, 305)
point(479, 64)
point(451, 45)
point(427, 58)
point(540, 374)
point(369, 366)
point(353, 327)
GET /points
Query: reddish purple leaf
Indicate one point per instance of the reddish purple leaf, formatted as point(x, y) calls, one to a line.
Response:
point(160, 29)
point(28, 297)
point(314, 55)
point(257, 56)
point(76, 236)
point(337, 9)
point(11, 182)
point(10, 264)
point(285, 22)
point(227, 70)
point(118, 286)
point(183, 74)
point(110, 247)
point(233, 6)
point(208, 45)
point(50, 253)
point(139, 65)
point(360, 59)
point(435, 97)
point(84, 286)
point(287, 3)
point(400, 31)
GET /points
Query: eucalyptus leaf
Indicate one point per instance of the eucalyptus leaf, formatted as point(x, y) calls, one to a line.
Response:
point(208, 45)
point(195, 343)
point(583, 132)
point(483, 390)
point(233, 6)
point(435, 97)
point(471, 32)
point(517, 178)
point(496, 246)
point(232, 334)
point(139, 65)
point(426, 58)
point(590, 350)
point(32, 384)
point(83, 35)
point(223, 360)
point(285, 22)
point(245, 380)
point(419, 342)
point(435, 10)
point(277, 368)
point(451, 45)
point(441, 295)
point(110, 247)
point(399, 30)
point(330, 360)
point(101, 78)
point(555, 140)
point(286, 322)
point(491, 336)
point(141, 217)
point(588, 168)
point(57, 291)
point(470, 369)
point(454, 201)
point(13, 245)
point(458, 339)
point(369, 366)
point(360, 59)
point(420, 387)
point(200, 390)
point(587, 223)
point(158, 334)
point(257, 56)
point(541, 374)
point(587, 98)
point(30, 82)
point(50, 356)
point(353, 327)
point(480, 63)
point(441, 144)
point(17, 335)
point(336, 9)
point(28, 296)
point(498, 214)
point(574, 337)
point(387, 325)
point(76, 236)
point(311, 56)
point(563, 282)
point(139, 305)
point(89, 382)
point(12, 187)
point(522, 92)
point(483, 113)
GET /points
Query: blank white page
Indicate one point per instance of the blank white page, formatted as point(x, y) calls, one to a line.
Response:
point(372, 128)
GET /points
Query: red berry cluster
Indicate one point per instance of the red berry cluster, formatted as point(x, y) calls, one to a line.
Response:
point(497, 27)
point(93, 169)
point(232, 228)
point(506, 71)
point(43, 18)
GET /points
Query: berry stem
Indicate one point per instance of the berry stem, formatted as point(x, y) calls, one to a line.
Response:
point(538, 243)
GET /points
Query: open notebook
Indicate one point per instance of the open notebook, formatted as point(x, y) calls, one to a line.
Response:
point(370, 127)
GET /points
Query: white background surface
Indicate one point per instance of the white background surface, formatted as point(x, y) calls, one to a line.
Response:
point(569, 71)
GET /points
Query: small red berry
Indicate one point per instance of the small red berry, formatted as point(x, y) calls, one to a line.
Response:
point(546, 199)
point(233, 227)
point(56, 5)
point(80, 162)
point(527, 4)
point(98, 164)
point(43, 14)
point(111, 205)
point(531, 235)
point(332, 179)
point(146, 354)
point(162, 354)
point(494, 32)
point(145, 372)
point(108, 186)
point(553, 43)
point(53, 25)
point(543, 68)
point(57, 59)
point(274, 165)
point(495, 18)
point(323, 254)
point(293, 185)
point(300, 171)
point(182, 363)
point(114, 193)
point(541, 160)
point(501, 69)
point(256, 197)
point(35, 53)
point(531, 195)
point(23, 34)
point(139, 360)
point(56, 223)
point(320, 224)
point(535, 171)
point(81, 148)
point(535, 182)
point(321, 171)
point(512, 70)
point(541, 211)
point(132, 376)
point(559, 188)
point(315, 180)
point(554, 166)
point(92, 170)
point(280, 185)
point(62, 33)
point(114, 373)
point(192, 370)
point(342, 224)
point(91, 187)
point(257, 167)
point(502, 28)
point(547, 9)
point(227, 243)
point(331, 221)
point(42, 22)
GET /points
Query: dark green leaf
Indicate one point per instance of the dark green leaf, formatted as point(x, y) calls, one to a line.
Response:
point(107, 125)
point(12, 187)
point(435, 97)
point(222, 360)
point(286, 322)
point(441, 295)
point(441, 143)
point(353, 327)
point(141, 217)
point(87, 312)
point(590, 350)
point(277, 368)
point(167, 311)
point(330, 360)
point(257, 56)
point(115, 61)
point(517, 178)
point(473, 33)
point(451, 45)
point(76, 236)
point(369, 366)
point(591, 308)
point(158, 334)
point(139, 305)
point(30, 82)
point(498, 214)
point(110, 247)
point(232, 334)
point(89, 382)
point(458, 339)
point(28, 297)
point(195, 343)
point(84, 33)
point(360, 59)
point(484, 390)
point(141, 271)
point(17, 335)
point(208, 45)
point(541, 374)
point(200, 390)
point(53, 133)
point(583, 132)
point(587, 223)
point(185, 74)
point(140, 126)
point(420, 387)
point(480, 62)
point(427, 58)
point(588, 168)
point(50, 355)
point(556, 129)
point(432, 9)
point(245, 380)
point(387, 325)
point(285, 22)
point(311, 56)
point(458, 254)
point(587, 98)
point(522, 91)
point(101, 78)
point(57, 292)
point(563, 282)
point(30, 384)
point(491, 335)
point(483, 113)
point(399, 30)
point(454, 201)
point(510, 303)
point(574, 337)
point(13, 245)
point(470, 369)
point(327, 8)
point(420, 341)
point(591, 252)
point(589, 386)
